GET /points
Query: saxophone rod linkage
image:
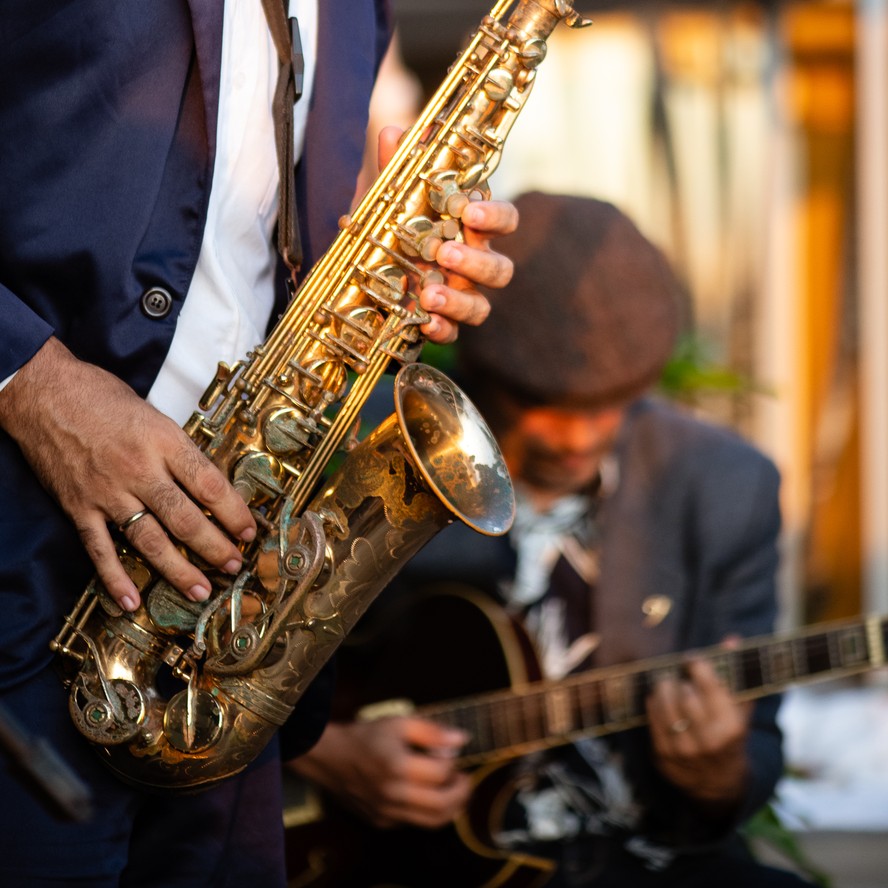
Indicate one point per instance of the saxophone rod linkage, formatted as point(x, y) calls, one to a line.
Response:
point(342, 253)
point(348, 243)
point(396, 181)
point(398, 167)
point(342, 422)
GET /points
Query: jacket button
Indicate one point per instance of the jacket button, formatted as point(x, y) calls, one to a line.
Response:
point(156, 302)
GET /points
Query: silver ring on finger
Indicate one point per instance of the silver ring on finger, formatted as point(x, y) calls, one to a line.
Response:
point(129, 522)
point(679, 726)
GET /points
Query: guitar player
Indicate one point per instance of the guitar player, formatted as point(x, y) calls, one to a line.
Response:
point(639, 531)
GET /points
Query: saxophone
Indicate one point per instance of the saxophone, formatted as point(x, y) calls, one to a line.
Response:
point(180, 695)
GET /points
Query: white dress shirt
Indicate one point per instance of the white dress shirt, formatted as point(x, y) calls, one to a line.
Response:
point(232, 292)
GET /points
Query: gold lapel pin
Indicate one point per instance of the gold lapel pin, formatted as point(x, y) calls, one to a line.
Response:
point(655, 609)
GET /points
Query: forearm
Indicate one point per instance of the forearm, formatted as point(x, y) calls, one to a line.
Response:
point(19, 398)
point(327, 763)
point(397, 770)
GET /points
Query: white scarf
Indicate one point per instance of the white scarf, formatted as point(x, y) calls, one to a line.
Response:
point(540, 539)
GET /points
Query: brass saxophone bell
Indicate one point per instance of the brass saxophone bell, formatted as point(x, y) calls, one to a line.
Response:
point(454, 449)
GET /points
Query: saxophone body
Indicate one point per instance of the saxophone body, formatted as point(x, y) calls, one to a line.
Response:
point(180, 695)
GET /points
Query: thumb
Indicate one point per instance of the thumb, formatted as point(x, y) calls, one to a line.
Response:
point(389, 139)
point(434, 737)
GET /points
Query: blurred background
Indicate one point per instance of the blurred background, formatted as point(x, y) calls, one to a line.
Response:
point(750, 141)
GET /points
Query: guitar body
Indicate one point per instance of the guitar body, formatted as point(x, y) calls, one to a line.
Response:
point(460, 656)
point(456, 644)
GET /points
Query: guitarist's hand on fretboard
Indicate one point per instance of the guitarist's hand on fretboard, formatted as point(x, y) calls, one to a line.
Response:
point(393, 771)
point(699, 735)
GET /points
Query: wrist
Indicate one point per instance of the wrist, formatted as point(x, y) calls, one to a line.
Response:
point(14, 397)
point(325, 757)
point(722, 798)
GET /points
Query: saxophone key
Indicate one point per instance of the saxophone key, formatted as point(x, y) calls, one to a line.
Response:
point(193, 721)
point(499, 84)
point(413, 230)
point(430, 247)
point(533, 52)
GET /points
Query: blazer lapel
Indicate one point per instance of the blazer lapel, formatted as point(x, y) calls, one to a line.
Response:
point(348, 33)
point(639, 557)
point(206, 20)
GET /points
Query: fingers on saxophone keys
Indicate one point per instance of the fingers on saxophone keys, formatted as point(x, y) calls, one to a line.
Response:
point(152, 541)
point(452, 307)
point(485, 267)
point(208, 486)
point(186, 522)
point(440, 331)
point(100, 547)
point(175, 516)
point(492, 216)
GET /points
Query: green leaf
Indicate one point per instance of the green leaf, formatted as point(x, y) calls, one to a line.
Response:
point(765, 827)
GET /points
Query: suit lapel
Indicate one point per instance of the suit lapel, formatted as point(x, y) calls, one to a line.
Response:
point(638, 557)
point(350, 41)
point(206, 20)
point(348, 34)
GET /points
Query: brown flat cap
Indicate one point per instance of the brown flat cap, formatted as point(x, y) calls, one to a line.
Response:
point(591, 314)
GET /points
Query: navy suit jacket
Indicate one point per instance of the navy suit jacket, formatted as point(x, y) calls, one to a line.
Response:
point(107, 121)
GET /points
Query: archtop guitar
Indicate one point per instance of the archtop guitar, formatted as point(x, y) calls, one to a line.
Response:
point(525, 714)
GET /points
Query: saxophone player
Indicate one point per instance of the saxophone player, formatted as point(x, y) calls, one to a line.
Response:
point(140, 191)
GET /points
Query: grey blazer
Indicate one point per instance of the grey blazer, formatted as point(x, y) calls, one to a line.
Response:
point(694, 518)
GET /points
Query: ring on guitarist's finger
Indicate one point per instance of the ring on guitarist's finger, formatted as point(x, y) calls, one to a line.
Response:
point(679, 726)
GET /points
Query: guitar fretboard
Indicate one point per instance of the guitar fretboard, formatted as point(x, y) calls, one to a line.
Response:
point(514, 722)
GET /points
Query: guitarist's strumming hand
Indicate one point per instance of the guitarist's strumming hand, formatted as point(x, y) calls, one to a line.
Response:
point(392, 771)
point(699, 735)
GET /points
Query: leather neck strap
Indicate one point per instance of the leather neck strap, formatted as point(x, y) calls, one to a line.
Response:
point(285, 34)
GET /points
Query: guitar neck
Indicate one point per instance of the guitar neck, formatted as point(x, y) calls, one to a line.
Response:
point(514, 722)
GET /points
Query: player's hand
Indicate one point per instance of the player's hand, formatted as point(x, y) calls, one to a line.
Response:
point(468, 265)
point(699, 735)
point(393, 770)
point(106, 454)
